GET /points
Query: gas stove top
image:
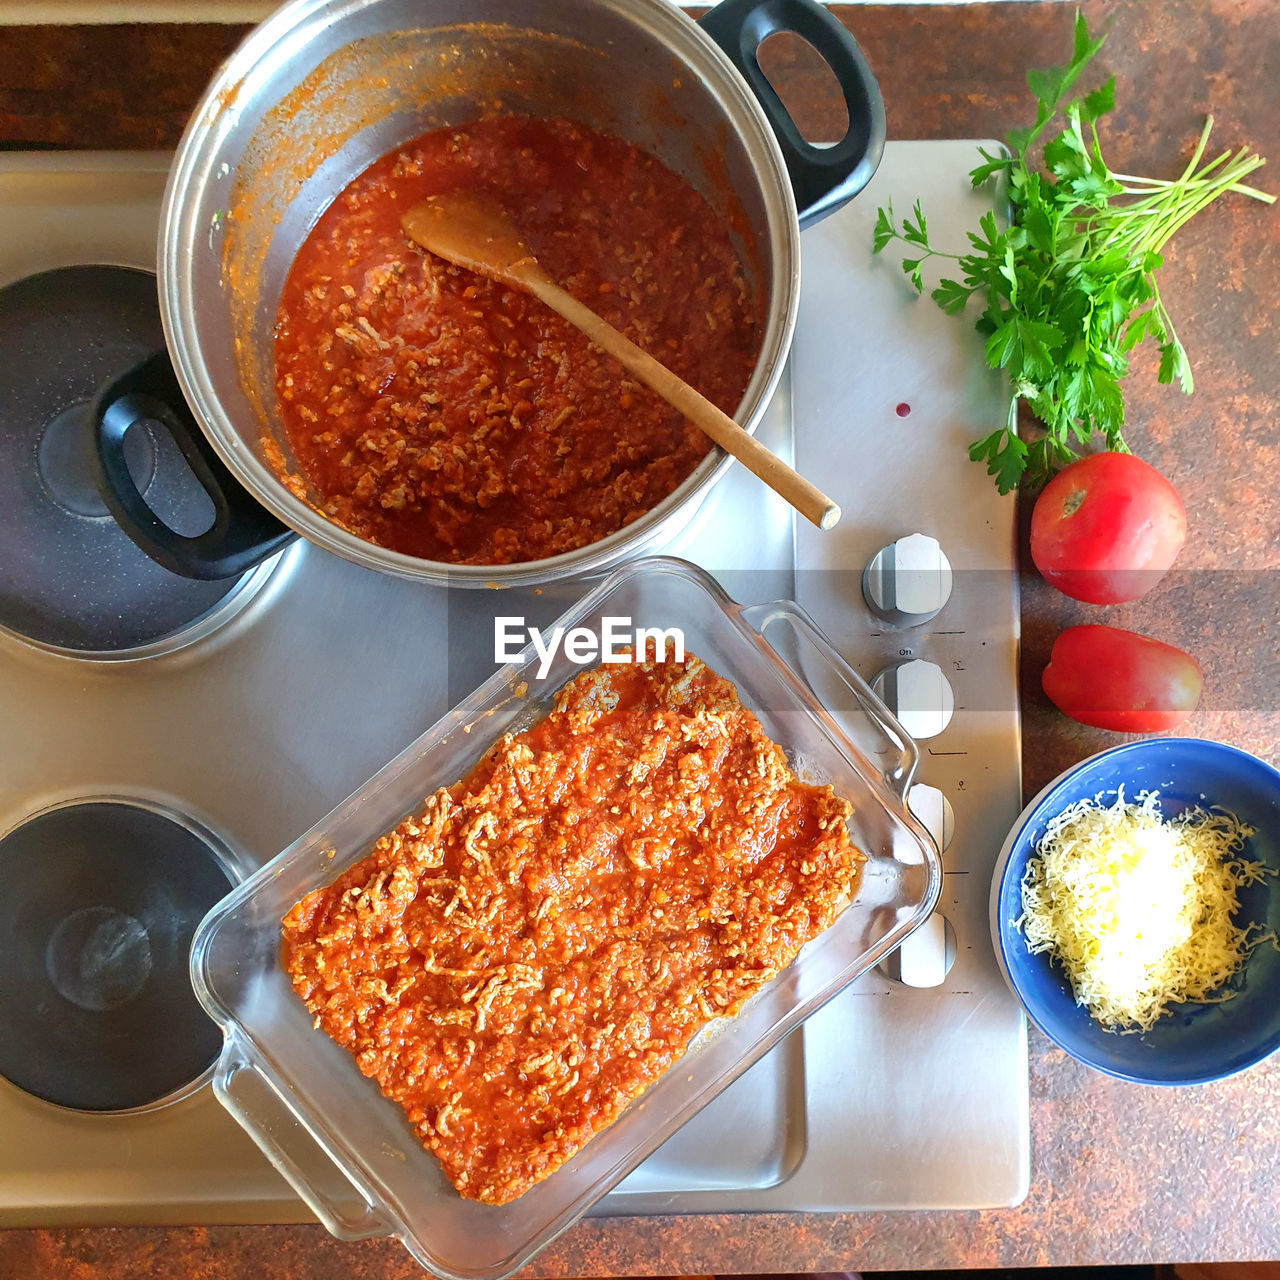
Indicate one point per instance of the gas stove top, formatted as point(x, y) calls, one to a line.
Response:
point(209, 729)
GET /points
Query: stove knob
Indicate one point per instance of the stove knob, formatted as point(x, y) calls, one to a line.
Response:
point(919, 695)
point(926, 955)
point(934, 812)
point(925, 958)
point(907, 582)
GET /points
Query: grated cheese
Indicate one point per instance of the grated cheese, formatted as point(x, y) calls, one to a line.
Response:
point(1138, 910)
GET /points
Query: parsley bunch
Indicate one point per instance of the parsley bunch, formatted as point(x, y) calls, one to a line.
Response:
point(1069, 288)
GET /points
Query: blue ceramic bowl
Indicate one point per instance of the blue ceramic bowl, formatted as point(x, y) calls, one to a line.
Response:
point(1197, 1042)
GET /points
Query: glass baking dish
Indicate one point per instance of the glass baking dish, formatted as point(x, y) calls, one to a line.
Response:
point(349, 1152)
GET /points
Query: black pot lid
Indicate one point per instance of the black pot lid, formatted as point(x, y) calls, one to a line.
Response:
point(69, 577)
point(101, 900)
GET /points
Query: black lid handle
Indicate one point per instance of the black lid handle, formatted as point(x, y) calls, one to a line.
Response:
point(823, 178)
point(243, 533)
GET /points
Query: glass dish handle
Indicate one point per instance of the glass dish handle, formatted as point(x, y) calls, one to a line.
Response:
point(891, 747)
point(249, 1091)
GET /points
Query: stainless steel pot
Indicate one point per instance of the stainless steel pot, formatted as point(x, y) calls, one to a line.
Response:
point(322, 89)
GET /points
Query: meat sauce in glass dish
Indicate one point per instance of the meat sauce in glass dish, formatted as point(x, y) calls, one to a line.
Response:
point(525, 955)
point(440, 414)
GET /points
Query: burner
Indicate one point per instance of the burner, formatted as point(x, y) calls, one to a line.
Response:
point(101, 899)
point(69, 577)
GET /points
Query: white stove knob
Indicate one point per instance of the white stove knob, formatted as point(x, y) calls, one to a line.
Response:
point(925, 956)
point(934, 811)
point(919, 695)
point(907, 582)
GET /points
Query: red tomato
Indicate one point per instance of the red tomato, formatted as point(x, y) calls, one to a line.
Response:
point(1114, 679)
point(1106, 528)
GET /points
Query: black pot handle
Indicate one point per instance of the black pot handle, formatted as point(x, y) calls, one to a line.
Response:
point(823, 178)
point(243, 533)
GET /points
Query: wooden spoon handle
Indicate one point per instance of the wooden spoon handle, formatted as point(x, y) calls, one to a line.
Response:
point(806, 498)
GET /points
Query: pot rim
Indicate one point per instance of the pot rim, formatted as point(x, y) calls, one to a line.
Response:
point(277, 41)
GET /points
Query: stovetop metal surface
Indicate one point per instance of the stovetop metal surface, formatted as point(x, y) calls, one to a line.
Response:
point(891, 1097)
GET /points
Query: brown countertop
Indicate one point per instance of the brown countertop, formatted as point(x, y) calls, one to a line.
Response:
point(1120, 1173)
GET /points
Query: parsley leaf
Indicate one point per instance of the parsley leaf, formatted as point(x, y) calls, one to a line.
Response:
point(952, 296)
point(1005, 456)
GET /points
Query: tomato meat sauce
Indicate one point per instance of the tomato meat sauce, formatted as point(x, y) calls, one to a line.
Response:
point(446, 416)
point(517, 961)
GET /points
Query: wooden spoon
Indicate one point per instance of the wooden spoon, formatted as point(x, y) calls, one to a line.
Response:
point(473, 232)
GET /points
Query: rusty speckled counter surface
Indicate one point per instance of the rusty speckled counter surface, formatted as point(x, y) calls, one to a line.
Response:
point(1120, 1173)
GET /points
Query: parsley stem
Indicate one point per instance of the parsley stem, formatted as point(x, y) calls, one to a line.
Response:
point(1199, 149)
point(1154, 184)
